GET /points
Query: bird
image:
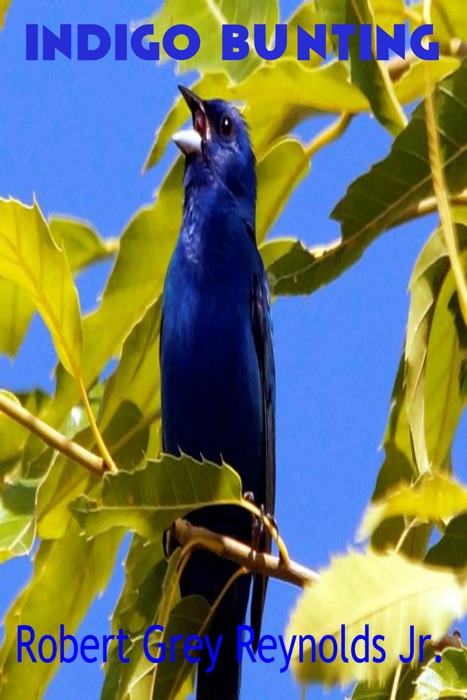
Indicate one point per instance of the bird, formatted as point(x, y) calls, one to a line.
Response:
point(217, 363)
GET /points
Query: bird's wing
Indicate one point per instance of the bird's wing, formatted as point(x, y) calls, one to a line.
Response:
point(262, 333)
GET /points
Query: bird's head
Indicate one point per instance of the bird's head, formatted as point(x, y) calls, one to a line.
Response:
point(218, 151)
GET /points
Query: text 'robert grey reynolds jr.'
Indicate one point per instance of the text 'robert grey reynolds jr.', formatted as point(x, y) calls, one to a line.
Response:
point(92, 42)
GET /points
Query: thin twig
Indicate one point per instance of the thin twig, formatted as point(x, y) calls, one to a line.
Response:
point(52, 437)
point(242, 554)
point(109, 463)
point(329, 134)
point(426, 206)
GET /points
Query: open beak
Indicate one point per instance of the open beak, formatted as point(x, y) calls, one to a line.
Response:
point(190, 141)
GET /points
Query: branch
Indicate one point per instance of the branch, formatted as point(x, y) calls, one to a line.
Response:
point(52, 437)
point(242, 554)
point(426, 206)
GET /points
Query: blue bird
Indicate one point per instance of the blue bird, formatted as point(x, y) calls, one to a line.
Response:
point(217, 363)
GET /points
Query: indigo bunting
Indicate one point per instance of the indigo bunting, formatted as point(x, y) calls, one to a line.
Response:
point(217, 363)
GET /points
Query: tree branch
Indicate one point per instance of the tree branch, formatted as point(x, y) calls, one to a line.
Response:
point(426, 206)
point(240, 553)
point(52, 437)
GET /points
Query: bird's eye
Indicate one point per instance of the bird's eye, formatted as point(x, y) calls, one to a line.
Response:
point(226, 126)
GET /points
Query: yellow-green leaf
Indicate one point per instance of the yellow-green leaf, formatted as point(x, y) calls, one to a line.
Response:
point(371, 76)
point(389, 594)
point(68, 574)
point(432, 498)
point(444, 679)
point(207, 17)
point(435, 353)
point(4, 5)
point(278, 174)
point(30, 258)
point(151, 498)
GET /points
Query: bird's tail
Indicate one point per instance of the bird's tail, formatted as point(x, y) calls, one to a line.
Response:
point(223, 681)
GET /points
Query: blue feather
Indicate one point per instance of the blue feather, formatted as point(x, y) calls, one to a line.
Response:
point(217, 365)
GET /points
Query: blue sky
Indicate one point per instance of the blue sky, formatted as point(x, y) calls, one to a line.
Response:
point(76, 135)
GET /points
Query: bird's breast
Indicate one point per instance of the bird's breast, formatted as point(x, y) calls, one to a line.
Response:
point(211, 390)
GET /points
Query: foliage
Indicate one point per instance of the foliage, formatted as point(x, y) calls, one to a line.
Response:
point(47, 501)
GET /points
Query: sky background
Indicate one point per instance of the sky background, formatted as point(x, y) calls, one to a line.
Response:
point(77, 134)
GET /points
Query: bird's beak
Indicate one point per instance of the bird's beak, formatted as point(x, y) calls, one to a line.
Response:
point(190, 141)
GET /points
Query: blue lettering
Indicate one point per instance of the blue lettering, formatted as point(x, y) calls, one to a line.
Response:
point(192, 643)
point(194, 42)
point(85, 53)
point(26, 644)
point(89, 643)
point(52, 43)
point(432, 52)
point(40, 648)
point(121, 638)
point(159, 645)
point(306, 42)
point(280, 42)
point(32, 42)
point(242, 643)
point(386, 42)
point(151, 53)
point(366, 42)
point(67, 638)
point(264, 646)
point(322, 642)
point(121, 39)
point(378, 647)
point(365, 638)
point(234, 42)
point(343, 31)
point(301, 641)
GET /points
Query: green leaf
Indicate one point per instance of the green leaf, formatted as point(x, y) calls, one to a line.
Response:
point(435, 353)
point(208, 17)
point(449, 20)
point(17, 312)
point(176, 680)
point(451, 550)
point(370, 76)
point(68, 574)
point(376, 201)
point(12, 435)
point(82, 245)
point(301, 93)
point(306, 17)
point(151, 498)
point(278, 174)
point(369, 691)
point(412, 84)
point(444, 679)
point(145, 569)
point(17, 523)
point(4, 5)
point(432, 498)
point(67, 480)
point(137, 377)
point(387, 593)
point(36, 264)
point(388, 13)
point(135, 284)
